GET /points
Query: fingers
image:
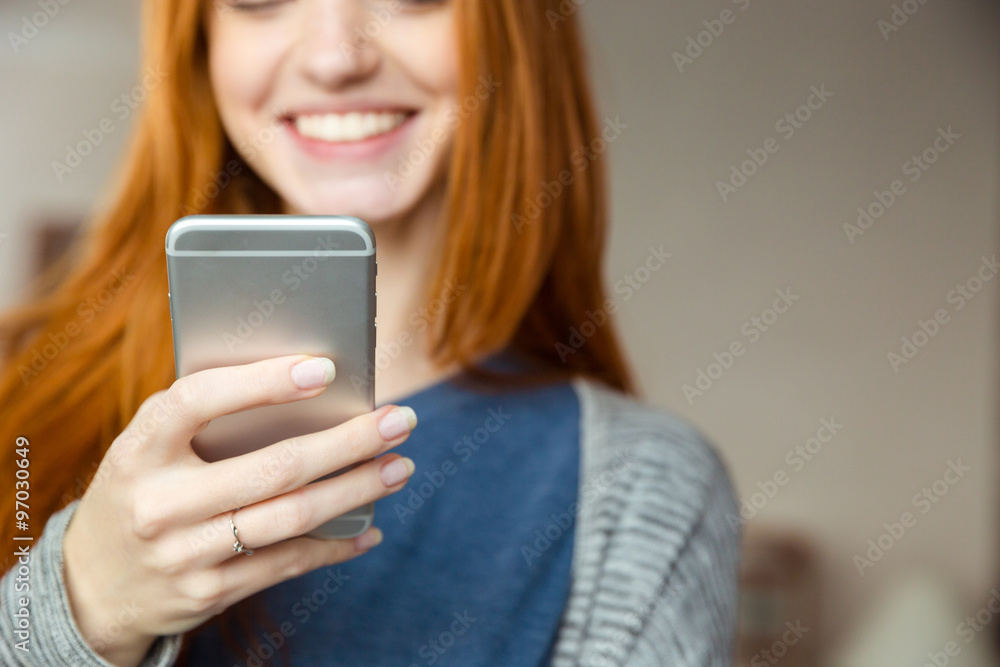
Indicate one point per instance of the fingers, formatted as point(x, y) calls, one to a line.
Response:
point(290, 464)
point(294, 514)
point(174, 416)
point(243, 576)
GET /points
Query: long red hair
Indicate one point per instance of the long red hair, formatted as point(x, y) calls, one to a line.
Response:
point(76, 369)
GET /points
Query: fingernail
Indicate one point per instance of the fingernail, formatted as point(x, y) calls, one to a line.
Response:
point(397, 422)
point(394, 472)
point(370, 538)
point(312, 373)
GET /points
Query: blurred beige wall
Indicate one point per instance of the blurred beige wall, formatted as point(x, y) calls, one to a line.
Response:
point(887, 95)
point(66, 79)
point(826, 357)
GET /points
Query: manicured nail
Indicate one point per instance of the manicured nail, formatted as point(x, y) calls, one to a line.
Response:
point(394, 472)
point(397, 422)
point(312, 373)
point(368, 539)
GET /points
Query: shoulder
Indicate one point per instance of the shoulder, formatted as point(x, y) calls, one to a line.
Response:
point(618, 427)
point(656, 557)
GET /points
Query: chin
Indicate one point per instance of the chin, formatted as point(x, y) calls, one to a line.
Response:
point(371, 208)
point(374, 201)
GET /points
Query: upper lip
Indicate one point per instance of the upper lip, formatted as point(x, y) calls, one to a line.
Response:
point(360, 106)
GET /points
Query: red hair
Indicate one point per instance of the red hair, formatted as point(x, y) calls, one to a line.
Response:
point(531, 260)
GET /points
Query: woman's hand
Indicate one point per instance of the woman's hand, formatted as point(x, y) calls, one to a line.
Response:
point(149, 550)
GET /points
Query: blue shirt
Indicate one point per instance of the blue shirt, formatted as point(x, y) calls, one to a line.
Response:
point(475, 565)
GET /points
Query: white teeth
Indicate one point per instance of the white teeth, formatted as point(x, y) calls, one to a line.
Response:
point(353, 126)
point(369, 124)
point(384, 123)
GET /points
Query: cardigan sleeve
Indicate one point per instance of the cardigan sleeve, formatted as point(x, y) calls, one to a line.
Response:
point(692, 617)
point(655, 573)
point(37, 625)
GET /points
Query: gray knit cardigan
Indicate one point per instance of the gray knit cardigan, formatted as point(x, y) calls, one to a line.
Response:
point(654, 575)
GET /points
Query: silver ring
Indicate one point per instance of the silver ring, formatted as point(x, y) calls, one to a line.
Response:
point(238, 546)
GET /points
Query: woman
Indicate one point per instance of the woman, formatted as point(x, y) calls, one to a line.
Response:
point(551, 519)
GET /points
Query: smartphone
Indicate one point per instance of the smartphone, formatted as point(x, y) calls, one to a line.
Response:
point(243, 288)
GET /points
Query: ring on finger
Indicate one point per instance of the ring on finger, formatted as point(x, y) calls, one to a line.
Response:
point(238, 546)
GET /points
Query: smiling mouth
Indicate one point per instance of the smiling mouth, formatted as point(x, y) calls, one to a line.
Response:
point(348, 127)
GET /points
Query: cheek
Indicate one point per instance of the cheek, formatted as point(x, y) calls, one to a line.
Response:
point(441, 66)
point(239, 76)
point(430, 55)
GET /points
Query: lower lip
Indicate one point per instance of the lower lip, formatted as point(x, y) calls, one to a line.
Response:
point(372, 147)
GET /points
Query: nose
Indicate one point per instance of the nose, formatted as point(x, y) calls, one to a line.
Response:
point(335, 50)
